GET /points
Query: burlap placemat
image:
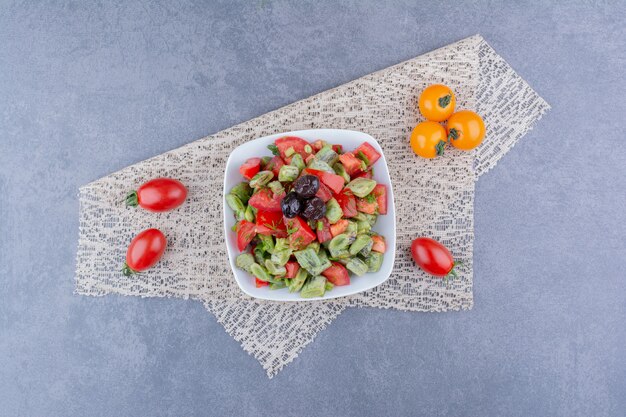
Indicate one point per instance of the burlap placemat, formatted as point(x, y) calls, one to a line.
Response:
point(433, 197)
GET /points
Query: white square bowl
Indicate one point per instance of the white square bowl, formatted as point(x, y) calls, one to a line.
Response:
point(386, 224)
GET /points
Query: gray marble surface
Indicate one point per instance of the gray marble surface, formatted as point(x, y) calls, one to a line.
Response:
point(87, 88)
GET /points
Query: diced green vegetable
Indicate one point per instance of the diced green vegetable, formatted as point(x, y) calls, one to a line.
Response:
point(326, 154)
point(259, 254)
point(281, 257)
point(281, 244)
point(329, 286)
point(338, 244)
point(260, 272)
point(361, 242)
point(363, 227)
point(322, 255)
point(261, 179)
point(374, 261)
point(288, 173)
point(314, 287)
point(321, 166)
point(249, 214)
point(276, 270)
point(308, 149)
point(266, 242)
point(276, 187)
point(363, 158)
point(265, 160)
point(334, 213)
point(352, 229)
point(298, 162)
point(237, 206)
point(297, 282)
point(244, 261)
point(357, 266)
point(361, 187)
point(278, 284)
point(309, 260)
point(242, 191)
point(341, 170)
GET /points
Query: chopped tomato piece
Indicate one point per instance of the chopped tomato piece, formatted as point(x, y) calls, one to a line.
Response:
point(292, 269)
point(347, 202)
point(318, 144)
point(324, 193)
point(250, 168)
point(333, 181)
point(260, 283)
point(245, 233)
point(337, 274)
point(300, 233)
point(274, 165)
point(369, 152)
point(339, 227)
point(362, 174)
point(379, 244)
point(271, 223)
point(365, 206)
point(351, 163)
point(380, 192)
point(294, 142)
point(323, 233)
point(265, 200)
point(338, 149)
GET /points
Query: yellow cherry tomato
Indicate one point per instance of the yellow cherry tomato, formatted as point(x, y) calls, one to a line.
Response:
point(466, 130)
point(437, 102)
point(428, 139)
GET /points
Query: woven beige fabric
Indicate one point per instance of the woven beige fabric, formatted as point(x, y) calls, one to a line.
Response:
point(433, 197)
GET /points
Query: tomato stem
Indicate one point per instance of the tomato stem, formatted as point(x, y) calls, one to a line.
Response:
point(452, 272)
point(132, 200)
point(127, 270)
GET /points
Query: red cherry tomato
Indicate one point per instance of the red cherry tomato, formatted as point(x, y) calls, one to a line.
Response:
point(432, 257)
point(144, 251)
point(159, 194)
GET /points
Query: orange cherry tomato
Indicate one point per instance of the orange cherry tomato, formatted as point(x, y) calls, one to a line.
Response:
point(428, 139)
point(466, 130)
point(437, 102)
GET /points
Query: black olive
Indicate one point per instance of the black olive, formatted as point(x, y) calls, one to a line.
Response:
point(291, 205)
point(306, 186)
point(314, 209)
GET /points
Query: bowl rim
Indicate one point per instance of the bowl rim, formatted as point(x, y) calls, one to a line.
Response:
point(391, 249)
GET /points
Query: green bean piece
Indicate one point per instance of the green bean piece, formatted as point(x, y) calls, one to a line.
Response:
point(244, 261)
point(298, 162)
point(281, 257)
point(259, 254)
point(357, 266)
point(261, 179)
point(352, 229)
point(361, 187)
point(322, 255)
point(338, 244)
point(321, 166)
point(363, 227)
point(309, 260)
point(329, 286)
point(276, 270)
point(367, 249)
point(334, 213)
point(298, 281)
point(308, 149)
point(341, 170)
point(260, 272)
point(237, 206)
point(249, 214)
point(315, 287)
point(360, 242)
point(374, 261)
point(288, 173)
point(265, 160)
point(289, 151)
point(278, 284)
point(315, 246)
point(242, 191)
point(326, 154)
point(276, 187)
